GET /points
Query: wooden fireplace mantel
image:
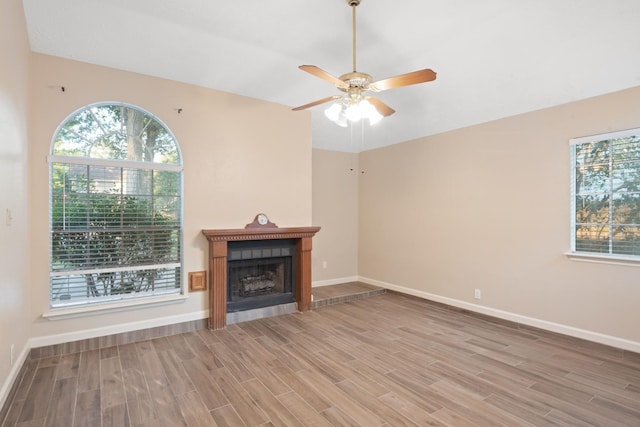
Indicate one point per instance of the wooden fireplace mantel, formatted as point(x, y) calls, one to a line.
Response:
point(260, 233)
point(218, 263)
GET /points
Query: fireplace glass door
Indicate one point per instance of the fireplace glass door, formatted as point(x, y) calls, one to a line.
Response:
point(260, 273)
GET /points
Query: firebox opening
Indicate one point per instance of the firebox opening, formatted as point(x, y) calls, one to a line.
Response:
point(260, 273)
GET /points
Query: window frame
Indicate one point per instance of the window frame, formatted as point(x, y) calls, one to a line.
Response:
point(596, 257)
point(125, 300)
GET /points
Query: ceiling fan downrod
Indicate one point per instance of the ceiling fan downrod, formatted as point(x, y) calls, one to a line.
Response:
point(353, 4)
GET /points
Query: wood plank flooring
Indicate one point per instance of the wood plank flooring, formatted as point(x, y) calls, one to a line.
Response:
point(388, 360)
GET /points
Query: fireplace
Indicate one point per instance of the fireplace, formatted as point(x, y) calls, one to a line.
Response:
point(280, 253)
point(260, 273)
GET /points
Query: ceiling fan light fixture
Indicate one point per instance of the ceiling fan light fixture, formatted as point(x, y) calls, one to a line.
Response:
point(352, 110)
point(336, 113)
point(333, 112)
point(370, 112)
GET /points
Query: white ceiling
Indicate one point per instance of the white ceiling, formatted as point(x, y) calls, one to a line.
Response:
point(494, 58)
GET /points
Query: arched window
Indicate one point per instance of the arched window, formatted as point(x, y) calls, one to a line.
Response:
point(115, 207)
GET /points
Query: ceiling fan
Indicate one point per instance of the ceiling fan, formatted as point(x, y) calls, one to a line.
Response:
point(353, 105)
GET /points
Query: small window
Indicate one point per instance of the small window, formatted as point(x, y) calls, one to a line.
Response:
point(115, 207)
point(606, 194)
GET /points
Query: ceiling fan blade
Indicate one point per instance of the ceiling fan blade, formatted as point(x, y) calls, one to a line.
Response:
point(413, 78)
point(380, 106)
point(319, 72)
point(318, 102)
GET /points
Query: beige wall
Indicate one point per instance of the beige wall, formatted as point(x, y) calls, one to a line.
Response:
point(14, 256)
point(241, 156)
point(335, 209)
point(488, 207)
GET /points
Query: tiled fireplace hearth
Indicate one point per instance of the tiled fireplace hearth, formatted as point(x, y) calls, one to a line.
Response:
point(258, 246)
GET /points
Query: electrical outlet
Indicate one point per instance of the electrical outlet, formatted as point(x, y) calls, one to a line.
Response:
point(324, 264)
point(477, 294)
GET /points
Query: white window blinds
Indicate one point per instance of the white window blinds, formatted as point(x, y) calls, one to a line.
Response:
point(606, 194)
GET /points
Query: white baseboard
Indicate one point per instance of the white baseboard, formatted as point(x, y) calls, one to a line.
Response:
point(116, 329)
point(529, 321)
point(13, 374)
point(334, 281)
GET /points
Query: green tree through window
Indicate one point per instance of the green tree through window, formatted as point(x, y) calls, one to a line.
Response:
point(116, 203)
point(606, 194)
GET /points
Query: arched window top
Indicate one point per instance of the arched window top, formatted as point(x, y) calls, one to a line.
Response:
point(116, 131)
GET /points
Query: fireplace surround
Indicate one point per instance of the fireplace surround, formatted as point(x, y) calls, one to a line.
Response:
point(260, 236)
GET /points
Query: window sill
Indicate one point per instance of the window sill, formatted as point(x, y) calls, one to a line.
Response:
point(604, 259)
point(94, 309)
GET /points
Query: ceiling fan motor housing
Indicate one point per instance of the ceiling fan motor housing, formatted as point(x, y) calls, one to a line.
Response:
point(356, 80)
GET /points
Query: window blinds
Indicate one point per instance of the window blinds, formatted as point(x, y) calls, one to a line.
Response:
point(115, 232)
point(606, 194)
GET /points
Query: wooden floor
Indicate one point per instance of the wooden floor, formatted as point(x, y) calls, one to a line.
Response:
point(388, 360)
